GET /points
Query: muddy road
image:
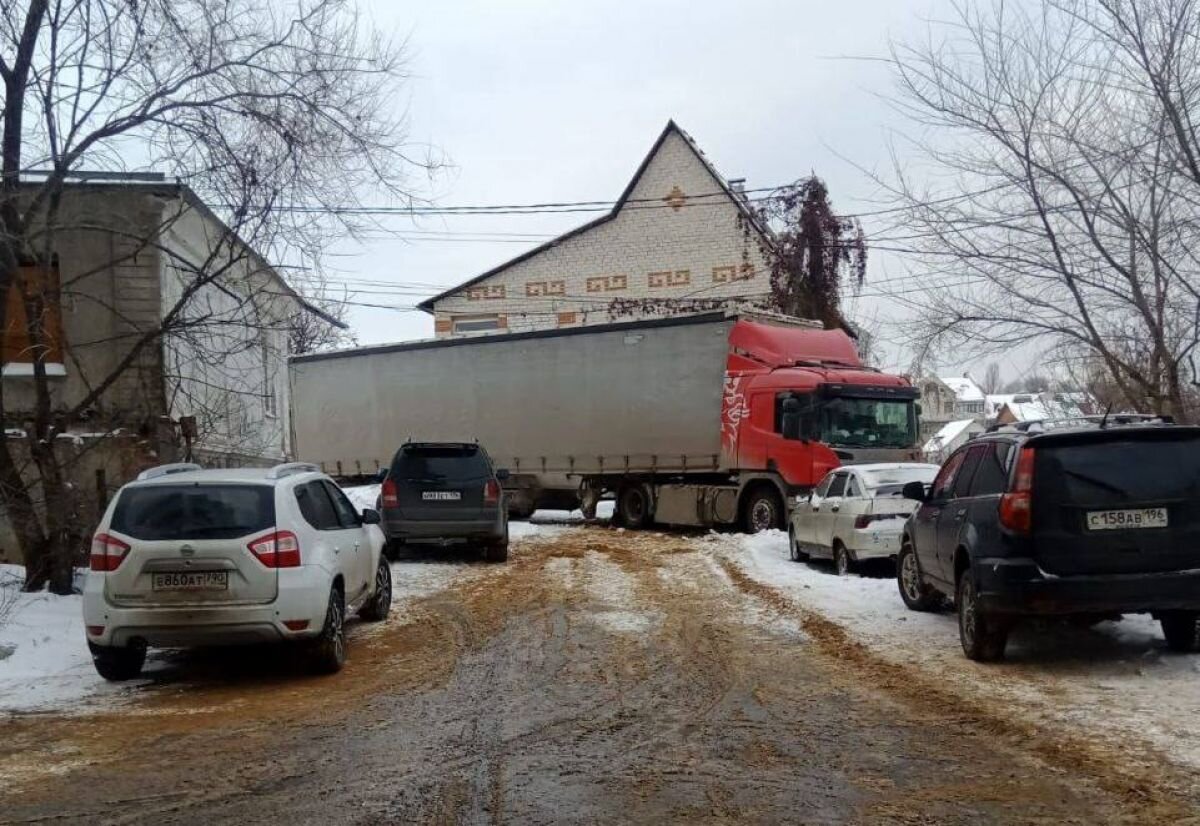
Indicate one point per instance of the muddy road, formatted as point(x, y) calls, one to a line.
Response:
point(599, 677)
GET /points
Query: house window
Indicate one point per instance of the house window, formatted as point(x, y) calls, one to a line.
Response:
point(41, 284)
point(476, 323)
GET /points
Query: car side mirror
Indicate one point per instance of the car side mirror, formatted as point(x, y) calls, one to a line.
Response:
point(503, 475)
point(914, 490)
point(370, 516)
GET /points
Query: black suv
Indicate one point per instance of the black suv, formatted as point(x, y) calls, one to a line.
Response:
point(1089, 521)
point(443, 492)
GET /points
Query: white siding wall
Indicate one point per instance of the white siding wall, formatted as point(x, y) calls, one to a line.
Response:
point(217, 371)
point(649, 250)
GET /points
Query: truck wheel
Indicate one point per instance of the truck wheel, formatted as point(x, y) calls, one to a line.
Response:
point(633, 502)
point(1182, 630)
point(763, 511)
point(916, 594)
point(983, 637)
point(377, 607)
point(118, 664)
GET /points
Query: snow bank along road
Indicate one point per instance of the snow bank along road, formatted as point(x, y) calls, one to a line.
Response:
point(605, 676)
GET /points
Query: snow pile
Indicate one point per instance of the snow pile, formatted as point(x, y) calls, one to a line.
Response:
point(1116, 677)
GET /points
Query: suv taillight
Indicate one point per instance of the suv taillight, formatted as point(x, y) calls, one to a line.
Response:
point(491, 492)
point(391, 499)
point(108, 552)
point(277, 550)
point(1016, 506)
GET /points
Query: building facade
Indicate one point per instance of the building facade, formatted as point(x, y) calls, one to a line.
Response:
point(946, 399)
point(147, 359)
point(679, 238)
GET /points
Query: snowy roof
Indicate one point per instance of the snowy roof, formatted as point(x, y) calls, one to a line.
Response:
point(964, 388)
point(994, 401)
point(949, 432)
point(1032, 411)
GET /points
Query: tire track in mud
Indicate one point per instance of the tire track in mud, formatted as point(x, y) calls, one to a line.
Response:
point(1161, 796)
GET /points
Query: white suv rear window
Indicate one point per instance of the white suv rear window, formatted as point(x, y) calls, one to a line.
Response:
point(194, 511)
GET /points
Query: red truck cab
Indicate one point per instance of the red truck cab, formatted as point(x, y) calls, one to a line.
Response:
point(799, 402)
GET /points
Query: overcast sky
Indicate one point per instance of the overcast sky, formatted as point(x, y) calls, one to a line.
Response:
point(547, 100)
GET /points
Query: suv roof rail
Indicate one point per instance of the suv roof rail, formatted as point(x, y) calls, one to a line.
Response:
point(1038, 425)
point(289, 468)
point(165, 470)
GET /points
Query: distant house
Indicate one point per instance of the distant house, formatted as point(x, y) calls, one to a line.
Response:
point(946, 399)
point(215, 383)
point(949, 438)
point(1036, 407)
point(680, 236)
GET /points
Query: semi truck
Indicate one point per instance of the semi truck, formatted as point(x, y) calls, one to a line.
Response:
point(708, 419)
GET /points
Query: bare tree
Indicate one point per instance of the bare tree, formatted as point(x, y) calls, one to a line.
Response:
point(277, 112)
point(1063, 130)
point(991, 379)
point(310, 332)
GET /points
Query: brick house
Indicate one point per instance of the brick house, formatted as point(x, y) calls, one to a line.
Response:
point(679, 234)
point(122, 255)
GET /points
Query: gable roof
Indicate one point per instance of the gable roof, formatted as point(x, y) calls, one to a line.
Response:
point(949, 432)
point(963, 387)
point(668, 130)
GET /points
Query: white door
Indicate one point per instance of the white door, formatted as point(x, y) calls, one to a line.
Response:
point(358, 546)
point(831, 506)
point(317, 506)
point(805, 523)
point(851, 506)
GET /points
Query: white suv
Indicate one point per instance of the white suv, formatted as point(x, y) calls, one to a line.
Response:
point(185, 556)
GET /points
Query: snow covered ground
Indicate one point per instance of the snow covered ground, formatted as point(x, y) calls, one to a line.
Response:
point(1115, 679)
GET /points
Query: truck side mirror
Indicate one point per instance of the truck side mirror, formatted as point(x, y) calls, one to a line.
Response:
point(913, 490)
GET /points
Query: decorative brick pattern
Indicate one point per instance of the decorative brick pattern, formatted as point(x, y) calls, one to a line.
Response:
point(443, 326)
point(675, 198)
point(729, 274)
point(502, 322)
point(540, 288)
point(566, 319)
point(669, 278)
point(486, 292)
point(607, 283)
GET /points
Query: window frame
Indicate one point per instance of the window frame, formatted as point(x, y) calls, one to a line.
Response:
point(338, 497)
point(310, 487)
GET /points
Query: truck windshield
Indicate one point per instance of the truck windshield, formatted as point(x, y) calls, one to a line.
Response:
point(855, 422)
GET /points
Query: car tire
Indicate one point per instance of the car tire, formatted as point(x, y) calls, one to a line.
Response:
point(1182, 631)
point(797, 553)
point(916, 594)
point(117, 664)
point(496, 552)
point(328, 652)
point(763, 511)
point(379, 605)
point(983, 637)
point(633, 503)
point(843, 563)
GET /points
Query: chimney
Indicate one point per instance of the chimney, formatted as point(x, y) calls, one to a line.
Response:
point(738, 185)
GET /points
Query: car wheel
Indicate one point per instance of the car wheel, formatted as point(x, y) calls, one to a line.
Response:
point(983, 637)
point(118, 664)
point(1182, 630)
point(797, 553)
point(329, 649)
point(841, 559)
point(916, 594)
point(634, 504)
point(380, 604)
point(763, 511)
point(496, 552)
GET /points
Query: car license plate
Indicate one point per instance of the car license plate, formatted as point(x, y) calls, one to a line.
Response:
point(1119, 520)
point(441, 495)
point(191, 581)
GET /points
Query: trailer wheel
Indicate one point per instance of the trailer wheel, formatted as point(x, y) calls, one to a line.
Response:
point(633, 504)
point(762, 510)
